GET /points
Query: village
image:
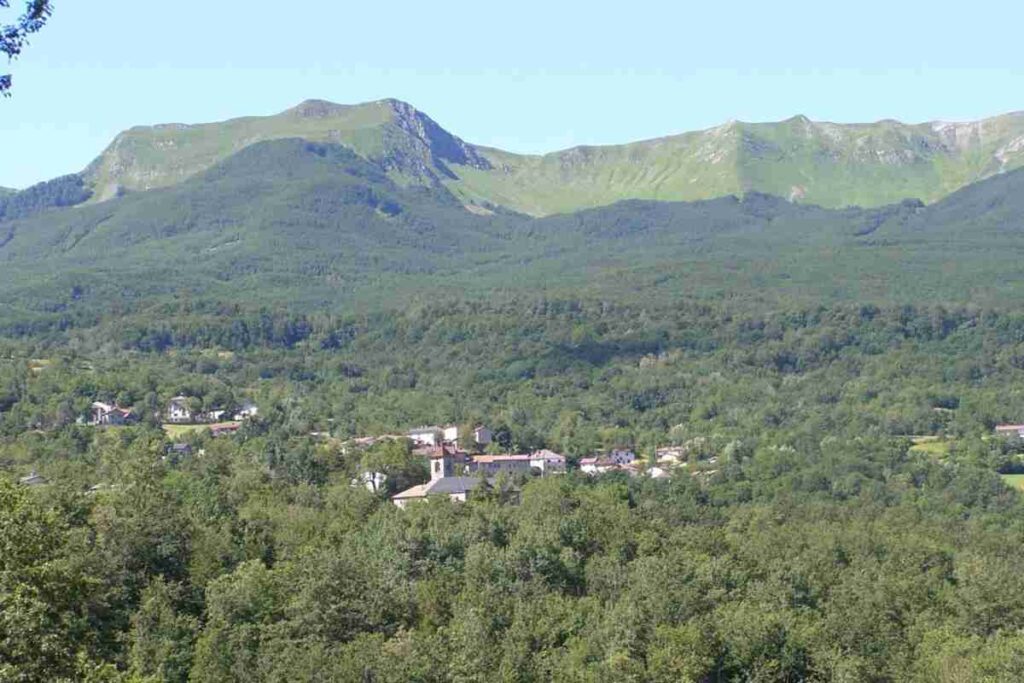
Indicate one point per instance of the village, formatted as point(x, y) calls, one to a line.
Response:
point(462, 462)
point(460, 468)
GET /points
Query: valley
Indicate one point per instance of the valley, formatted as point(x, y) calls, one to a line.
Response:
point(335, 395)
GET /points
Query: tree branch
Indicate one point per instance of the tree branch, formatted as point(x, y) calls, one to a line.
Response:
point(14, 37)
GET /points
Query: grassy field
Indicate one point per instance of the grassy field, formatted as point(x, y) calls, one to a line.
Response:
point(1014, 481)
point(177, 431)
point(931, 445)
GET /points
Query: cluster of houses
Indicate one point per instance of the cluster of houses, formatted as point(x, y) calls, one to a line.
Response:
point(179, 411)
point(458, 475)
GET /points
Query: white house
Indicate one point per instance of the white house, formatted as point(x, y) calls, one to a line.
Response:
point(547, 462)
point(178, 410)
point(427, 436)
point(481, 435)
point(247, 410)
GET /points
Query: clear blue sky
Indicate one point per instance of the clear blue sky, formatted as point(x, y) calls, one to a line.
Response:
point(527, 76)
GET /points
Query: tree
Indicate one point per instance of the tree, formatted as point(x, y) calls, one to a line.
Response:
point(42, 592)
point(14, 37)
point(394, 460)
point(161, 637)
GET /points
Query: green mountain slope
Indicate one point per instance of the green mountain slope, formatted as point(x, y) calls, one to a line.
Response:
point(390, 133)
point(822, 163)
point(315, 227)
point(828, 164)
point(282, 221)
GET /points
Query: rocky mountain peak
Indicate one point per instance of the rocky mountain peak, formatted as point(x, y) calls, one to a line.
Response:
point(437, 143)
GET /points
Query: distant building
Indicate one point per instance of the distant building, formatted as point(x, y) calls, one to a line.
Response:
point(107, 414)
point(621, 457)
point(658, 473)
point(602, 464)
point(246, 411)
point(453, 435)
point(442, 483)
point(211, 416)
point(543, 462)
point(670, 455)
point(1010, 430)
point(178, 410)
point(427, 436)
point(179, 449)
point(492, 464)
point(547, 462)
point(482, 435)
point(428, 452)
point(616, 459)
point(224, 428)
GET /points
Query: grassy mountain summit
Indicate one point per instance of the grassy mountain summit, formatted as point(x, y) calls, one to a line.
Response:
point(390, 133)
point(829, 164)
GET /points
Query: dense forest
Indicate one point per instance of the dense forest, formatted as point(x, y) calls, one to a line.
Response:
point(812, 534)
point(315, 229)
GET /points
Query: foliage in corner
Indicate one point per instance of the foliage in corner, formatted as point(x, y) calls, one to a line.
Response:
point(14, 37)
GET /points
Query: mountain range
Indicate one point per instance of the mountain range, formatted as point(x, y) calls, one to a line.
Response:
point(828, 164)
point(314, 226)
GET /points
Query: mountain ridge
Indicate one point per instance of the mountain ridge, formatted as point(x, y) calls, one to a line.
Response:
point(825, 163)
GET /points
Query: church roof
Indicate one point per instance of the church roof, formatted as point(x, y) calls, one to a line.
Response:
point(445, 486)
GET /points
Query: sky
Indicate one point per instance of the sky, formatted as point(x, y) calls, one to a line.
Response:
point(527, 76)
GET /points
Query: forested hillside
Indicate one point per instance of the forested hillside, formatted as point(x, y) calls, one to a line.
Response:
point(838, 507)
point(317, 228)
point(807, 537)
